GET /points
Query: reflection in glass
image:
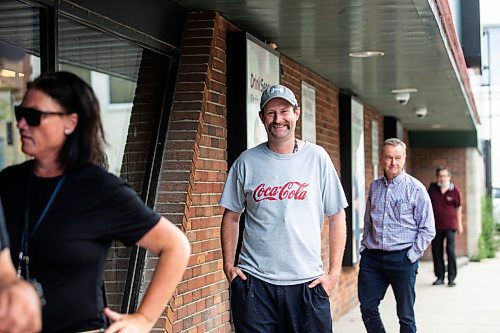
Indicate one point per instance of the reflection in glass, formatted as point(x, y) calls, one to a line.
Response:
point(110, 65)
point(19, 63)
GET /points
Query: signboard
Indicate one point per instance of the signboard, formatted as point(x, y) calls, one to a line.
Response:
point(263, 70)
point(375, 149)
point(308, 112)
point(357, 175)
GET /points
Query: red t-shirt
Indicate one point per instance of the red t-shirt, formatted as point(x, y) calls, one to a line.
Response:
point(445, 206)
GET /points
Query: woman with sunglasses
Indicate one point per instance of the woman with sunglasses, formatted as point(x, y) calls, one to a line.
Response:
point(63, 210)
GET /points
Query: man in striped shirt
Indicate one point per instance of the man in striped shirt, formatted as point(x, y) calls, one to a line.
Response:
point(398, 227)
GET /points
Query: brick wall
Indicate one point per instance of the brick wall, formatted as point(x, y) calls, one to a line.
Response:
point(347, 296)
point(146, 107)
point(370, 115)
point(194, 174)
point(327, 107)
point(423, 166)
point(327, 135)
point(195, 171)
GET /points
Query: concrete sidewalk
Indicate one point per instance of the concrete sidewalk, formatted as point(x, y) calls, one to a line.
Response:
point(472, 306)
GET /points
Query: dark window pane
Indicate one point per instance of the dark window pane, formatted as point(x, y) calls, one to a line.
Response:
point(19, 63)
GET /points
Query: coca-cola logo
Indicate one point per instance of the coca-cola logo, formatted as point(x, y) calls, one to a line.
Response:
point(290, 191)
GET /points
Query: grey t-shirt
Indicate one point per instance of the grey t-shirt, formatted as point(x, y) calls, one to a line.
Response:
point(285, 197)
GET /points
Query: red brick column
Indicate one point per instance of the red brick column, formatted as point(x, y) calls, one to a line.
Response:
point(194, 172)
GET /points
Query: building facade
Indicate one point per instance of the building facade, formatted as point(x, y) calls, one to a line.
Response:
point(169, 97)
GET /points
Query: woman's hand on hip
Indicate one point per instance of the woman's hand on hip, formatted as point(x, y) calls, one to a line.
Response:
point(128, 323)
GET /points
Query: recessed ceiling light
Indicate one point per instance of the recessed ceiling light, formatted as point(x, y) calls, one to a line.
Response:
point(436, 126)
point(404, 90)
point(366, 54)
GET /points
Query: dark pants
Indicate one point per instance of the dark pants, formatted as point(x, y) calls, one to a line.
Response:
point(261, 307)
point(437, 254)
point(377, 270)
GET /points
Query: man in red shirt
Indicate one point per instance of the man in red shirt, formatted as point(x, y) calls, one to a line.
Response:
point(447, 207)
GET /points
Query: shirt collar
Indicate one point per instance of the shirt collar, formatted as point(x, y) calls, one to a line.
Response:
point(451, 188)
point(398, 179)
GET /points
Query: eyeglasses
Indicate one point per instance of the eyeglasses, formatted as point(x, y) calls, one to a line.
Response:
point(33, 116)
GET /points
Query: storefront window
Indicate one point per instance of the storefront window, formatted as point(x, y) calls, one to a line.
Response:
point(19, 63)
point(129, 82)
point(110, 65)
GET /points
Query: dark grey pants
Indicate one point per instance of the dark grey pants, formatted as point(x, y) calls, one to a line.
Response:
point(438, 253)
point(261, 307)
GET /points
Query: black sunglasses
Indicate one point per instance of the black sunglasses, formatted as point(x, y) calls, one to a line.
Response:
point(33, 116)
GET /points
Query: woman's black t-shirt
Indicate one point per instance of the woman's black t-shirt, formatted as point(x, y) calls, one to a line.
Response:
point(68, 249)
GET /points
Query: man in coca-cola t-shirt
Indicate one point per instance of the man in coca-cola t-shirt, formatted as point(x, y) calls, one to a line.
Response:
point(285, 187)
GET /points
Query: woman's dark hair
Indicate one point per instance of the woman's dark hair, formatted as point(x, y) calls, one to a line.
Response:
point(86, 143)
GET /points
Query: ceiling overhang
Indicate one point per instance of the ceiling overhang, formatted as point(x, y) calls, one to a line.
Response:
point(320, 34)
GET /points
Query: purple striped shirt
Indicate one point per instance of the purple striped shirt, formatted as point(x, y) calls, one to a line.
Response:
point(398, 215)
